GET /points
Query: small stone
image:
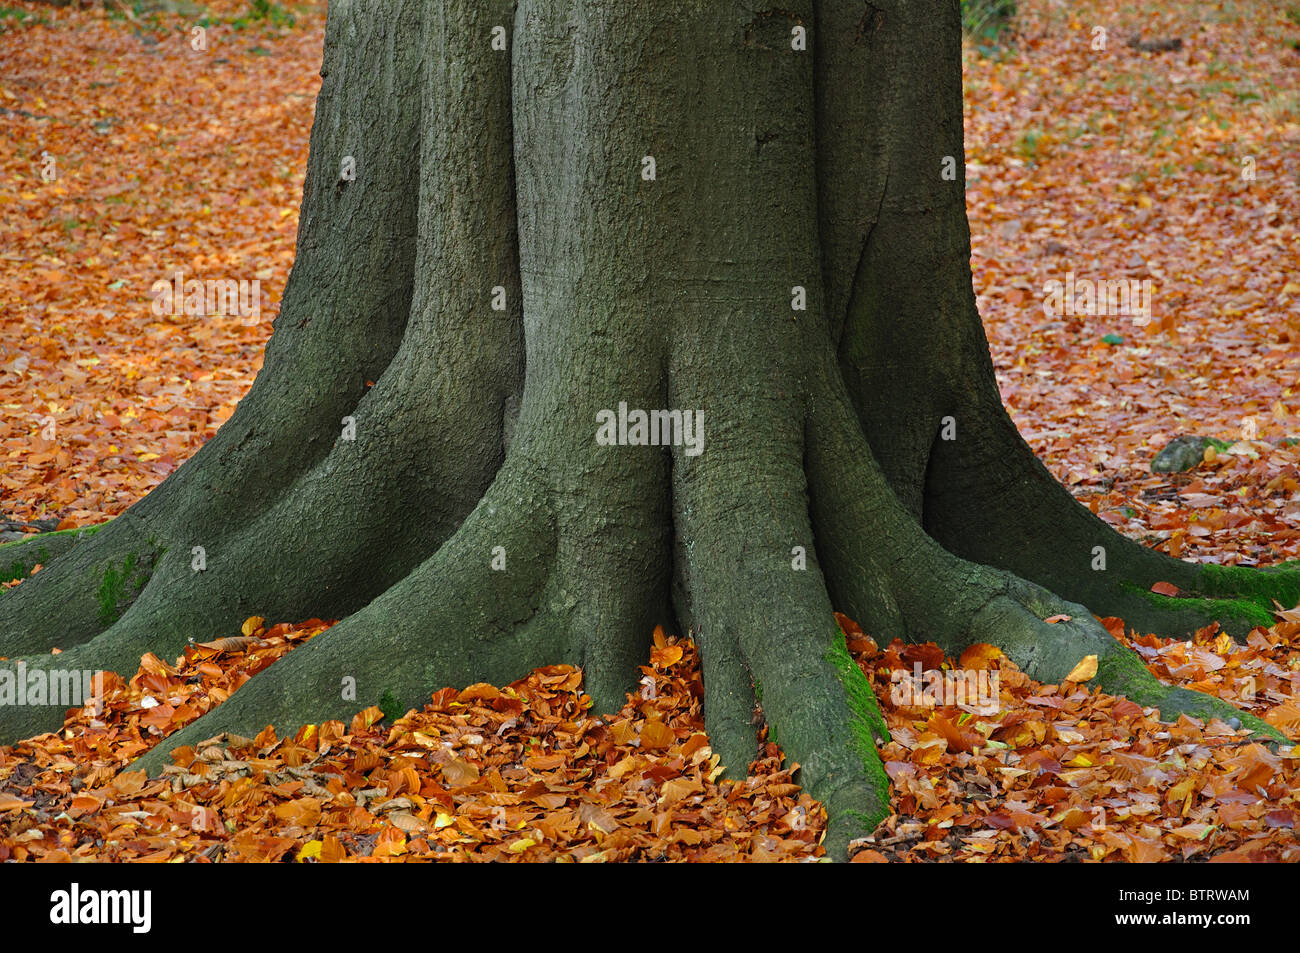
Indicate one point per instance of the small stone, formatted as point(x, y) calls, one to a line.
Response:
point(1180, 454)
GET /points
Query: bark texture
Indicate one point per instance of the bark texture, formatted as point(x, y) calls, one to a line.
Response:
point(562, 207)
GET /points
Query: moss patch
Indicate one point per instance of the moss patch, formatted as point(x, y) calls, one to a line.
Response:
point(390, 706)
point(1123, 673)
point(867, 822)
point(1241, 611)
point(19, 558)
point(869, 730)
point(22, 568)
point(1259, 586)
point(869, 724)
point(119, 587)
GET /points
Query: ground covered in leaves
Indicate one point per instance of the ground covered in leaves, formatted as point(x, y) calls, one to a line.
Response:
point(1107, 163)
point(1181, 168)
point(162, 158)
point(528, 772)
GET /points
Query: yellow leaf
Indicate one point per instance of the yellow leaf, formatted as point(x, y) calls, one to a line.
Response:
point(443, 820)
point(310, 851)
point(521, 845)
point(1085, 670)
point(252, 624)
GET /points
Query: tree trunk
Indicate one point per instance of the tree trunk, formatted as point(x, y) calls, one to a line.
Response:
point(562, 210)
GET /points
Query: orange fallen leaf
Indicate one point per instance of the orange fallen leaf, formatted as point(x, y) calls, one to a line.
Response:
point(1085, 670)
point(10, 803)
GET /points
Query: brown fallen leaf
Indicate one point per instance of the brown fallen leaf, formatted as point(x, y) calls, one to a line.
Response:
point(232, 644)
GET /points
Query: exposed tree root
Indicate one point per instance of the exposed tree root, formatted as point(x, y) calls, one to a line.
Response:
point(327, 547)
point(355, 305)
point(989, 499)
point(499, 599)
point(890, 227)
point(19, 558)
point(75, 597)
point(295, 509)
point(454, 620)
point(761, 615)
point(977, 603)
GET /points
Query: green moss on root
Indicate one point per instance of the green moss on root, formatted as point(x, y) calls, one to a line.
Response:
point(1241, 611)
point(22, 568)
point(50, 545)
point(867, 730)
point(75, 532)
point(869, 724)
point(118, 588)
point(1262, 587)
point(390, 706)
point(1122, 673)
point(866, 822)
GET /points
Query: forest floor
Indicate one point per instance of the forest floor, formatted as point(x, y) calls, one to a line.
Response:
point(126, 155)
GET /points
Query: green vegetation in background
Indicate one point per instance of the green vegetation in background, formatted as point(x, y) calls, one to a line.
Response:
point(984, 20)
